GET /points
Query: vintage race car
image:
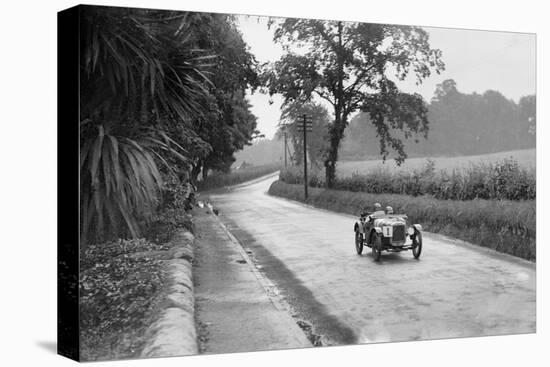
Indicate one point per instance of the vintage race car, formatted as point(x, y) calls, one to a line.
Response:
point(387, 232)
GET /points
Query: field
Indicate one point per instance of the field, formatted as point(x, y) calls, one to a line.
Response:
point(478, 179)
point(525, 158)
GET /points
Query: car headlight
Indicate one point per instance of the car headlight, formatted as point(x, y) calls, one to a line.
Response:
point(410, 231)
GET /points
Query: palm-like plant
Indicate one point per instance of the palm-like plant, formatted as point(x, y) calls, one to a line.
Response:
point(119, 181)
point(139, 60)
point(140, 75)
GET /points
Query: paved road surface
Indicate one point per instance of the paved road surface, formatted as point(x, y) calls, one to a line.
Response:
point(453, 290)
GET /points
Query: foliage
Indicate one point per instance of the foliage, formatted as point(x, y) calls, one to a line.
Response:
point(227, 124)
point(262, 151)
point(504, 180)
point(176, 194)
point(228, 134)
point(118, 293)
point(159, 90)
point(236, 177)
point(460, 124)
point(140, 73)
point(347, 65)
point(506, 226)
point(119, 182)
point(137, 60)
point(477, 123)
point(317, 139)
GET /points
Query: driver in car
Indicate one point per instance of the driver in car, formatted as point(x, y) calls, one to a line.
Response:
point(376, 212)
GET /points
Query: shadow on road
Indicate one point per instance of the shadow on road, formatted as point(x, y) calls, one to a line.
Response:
point(393, 258)
point(302, 301)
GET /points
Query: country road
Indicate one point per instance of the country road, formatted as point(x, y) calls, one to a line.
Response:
point(453, 290)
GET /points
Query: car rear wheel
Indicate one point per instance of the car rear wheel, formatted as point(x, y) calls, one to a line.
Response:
point(376, 247)
point(358, 242)
point(417, 245)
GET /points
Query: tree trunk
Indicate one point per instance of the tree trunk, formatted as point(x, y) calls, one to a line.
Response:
point(330, 167)
point(204, 172)
point(336, 134)
point(337, 130)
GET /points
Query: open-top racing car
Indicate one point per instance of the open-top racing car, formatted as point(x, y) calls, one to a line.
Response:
point(387, 232)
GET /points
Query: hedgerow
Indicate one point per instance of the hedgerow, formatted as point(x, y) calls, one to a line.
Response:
point(504, 180)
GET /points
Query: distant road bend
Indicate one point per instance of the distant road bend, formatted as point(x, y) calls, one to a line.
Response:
point(453, 290)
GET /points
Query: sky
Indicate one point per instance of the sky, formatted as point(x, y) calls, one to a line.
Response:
point(476, 60)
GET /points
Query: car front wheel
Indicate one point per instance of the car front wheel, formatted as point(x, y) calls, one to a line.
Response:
point(358, 242)
point(417, 245)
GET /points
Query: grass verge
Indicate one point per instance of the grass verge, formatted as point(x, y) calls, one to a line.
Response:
point(504, 225)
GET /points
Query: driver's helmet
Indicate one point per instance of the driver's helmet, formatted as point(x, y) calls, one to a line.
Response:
point(389, 210)
point(377, 207)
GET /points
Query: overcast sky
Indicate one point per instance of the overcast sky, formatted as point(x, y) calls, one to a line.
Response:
point(476, 60)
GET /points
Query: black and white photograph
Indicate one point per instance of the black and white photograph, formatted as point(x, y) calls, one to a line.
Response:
point(255, 183)
point(232, 182)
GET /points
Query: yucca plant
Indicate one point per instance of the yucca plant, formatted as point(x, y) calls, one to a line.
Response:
point(120, 182)
point(135, 61)
point(142, 82)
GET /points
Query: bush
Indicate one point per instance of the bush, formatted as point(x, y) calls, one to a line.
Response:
point(505, 225)
point(504, 180)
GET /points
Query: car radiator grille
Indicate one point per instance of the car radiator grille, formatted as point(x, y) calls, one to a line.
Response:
point(398, 233)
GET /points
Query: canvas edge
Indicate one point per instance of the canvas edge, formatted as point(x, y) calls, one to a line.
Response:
point(68, 334)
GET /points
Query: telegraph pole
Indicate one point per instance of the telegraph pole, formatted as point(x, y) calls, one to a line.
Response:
point(306, 126)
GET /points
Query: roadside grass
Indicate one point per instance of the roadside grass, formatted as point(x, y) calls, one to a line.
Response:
point(219, 179)
point(503, 225)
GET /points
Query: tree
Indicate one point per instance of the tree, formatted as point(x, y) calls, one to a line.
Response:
point(141, 81)
point(477, 123)
point(445, 90)
point(292, 116)
point(460, 124)
point(159, 90)
point(227, 123)
point(347, 65)
point(234, 129)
